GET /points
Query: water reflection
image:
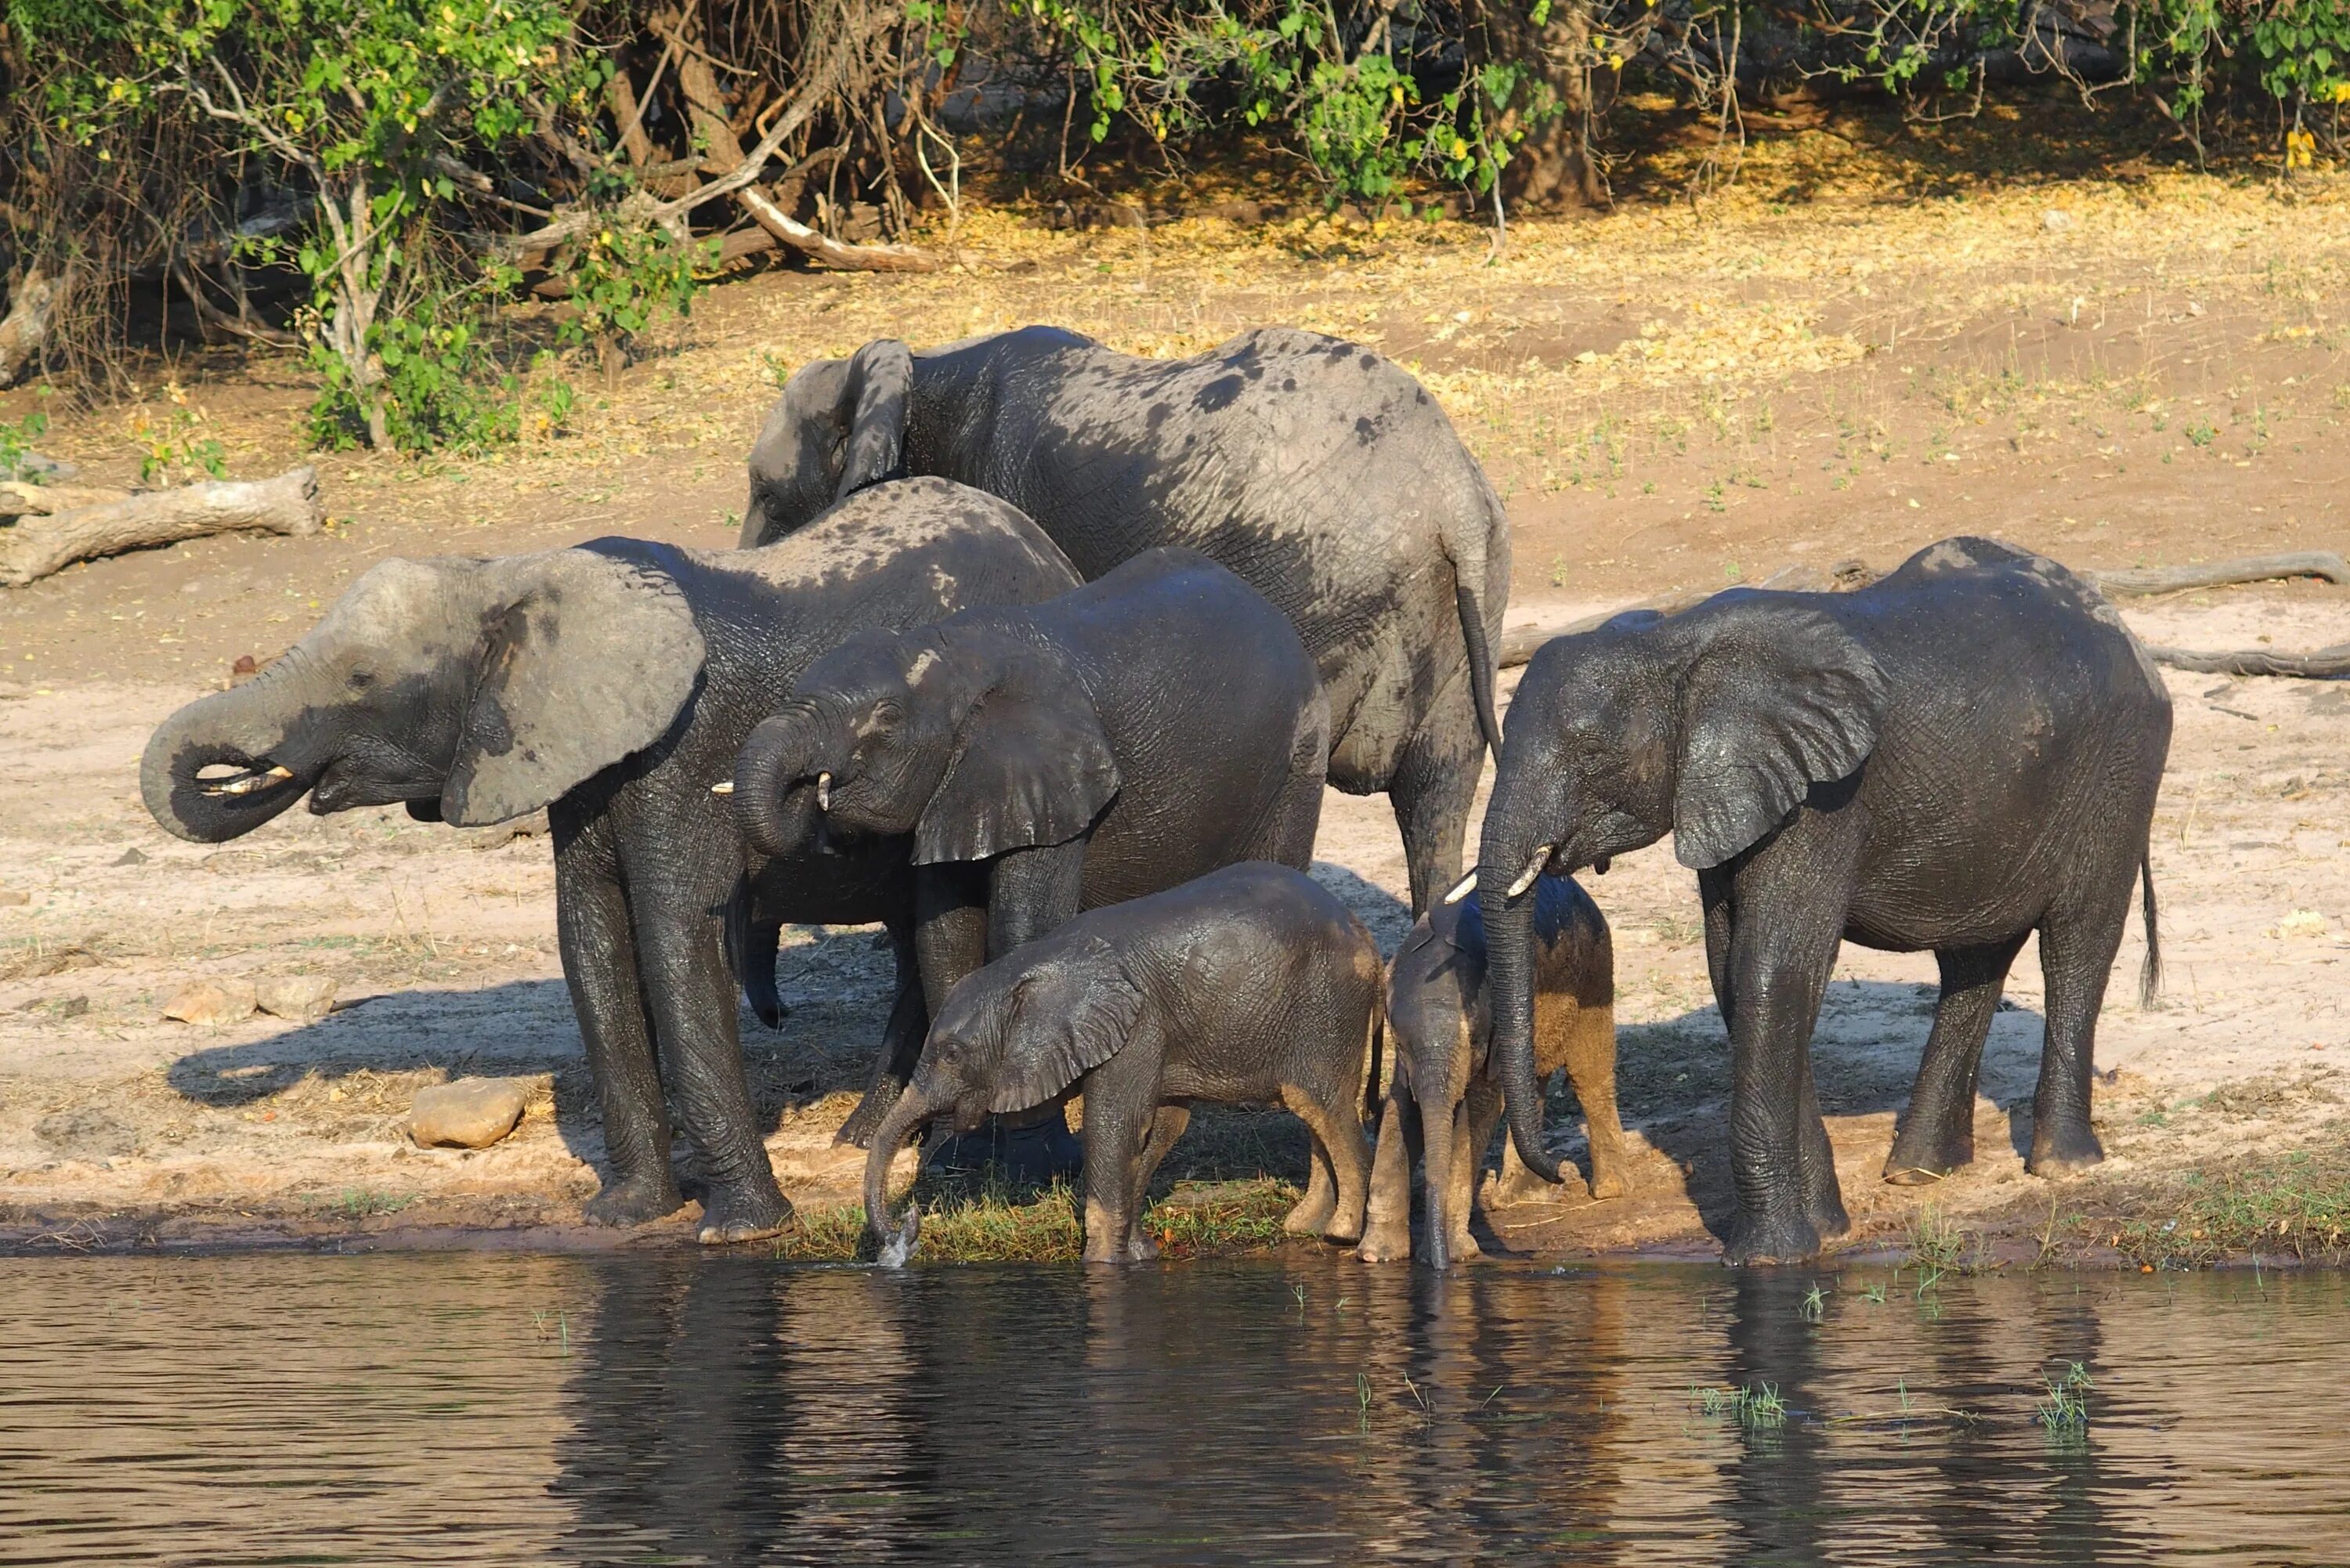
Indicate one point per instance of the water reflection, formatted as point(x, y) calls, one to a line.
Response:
point(729, 1410)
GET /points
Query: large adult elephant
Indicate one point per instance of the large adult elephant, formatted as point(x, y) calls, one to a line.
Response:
point(613, 684)
point(1322, 474)
point(1959, 755)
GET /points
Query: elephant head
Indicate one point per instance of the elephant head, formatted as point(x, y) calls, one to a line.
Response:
point(1713, 725)
point(972, 742)
point(840, 426)
point(1011, 1037)
point(475, 690)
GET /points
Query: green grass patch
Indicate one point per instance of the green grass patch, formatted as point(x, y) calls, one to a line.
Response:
point(2297, 1203)
point(984, 1219)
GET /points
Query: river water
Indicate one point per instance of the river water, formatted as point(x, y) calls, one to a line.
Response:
point(470, 1408)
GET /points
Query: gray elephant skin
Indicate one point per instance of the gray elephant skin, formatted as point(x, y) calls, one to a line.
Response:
point(613, 684)
point(1959, 755)
point(1251, 985)
point(1323, 474)
point(1153, 725)
point(1444, 1093)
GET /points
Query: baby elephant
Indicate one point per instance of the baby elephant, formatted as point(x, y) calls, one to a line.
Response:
point(1445, 1096)
point(1248, 986)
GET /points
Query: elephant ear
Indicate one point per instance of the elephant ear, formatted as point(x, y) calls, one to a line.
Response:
point(1778, 699)
point(591, 659)
point(880, 383)
point(1029, 769)
point(1069, 1017)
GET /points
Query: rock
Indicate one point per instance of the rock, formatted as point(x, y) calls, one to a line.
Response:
point(300, 997)
point(10, 898)
point(472, 1113)
point(2055, 220)
point(131, 857)
point(211, 1002)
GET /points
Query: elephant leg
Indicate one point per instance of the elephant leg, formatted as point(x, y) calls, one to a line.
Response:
point(1591, 1068)
point(1387, 1219)
point(1341, 1148)
point(1936, 1135)
point(950, 928)
point(2076, 956)
point(902, 1044)
point(1786, 929)
point(1121, 1107)
point(1031, 891)
point(1434, 783)
point(1167, 1125)
point(1718, 930)
point(681, 936)
point(599, 966)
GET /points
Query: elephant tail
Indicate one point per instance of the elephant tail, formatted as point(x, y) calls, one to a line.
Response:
point(1481, 661)
point(1372, 1097)
point(2150, 975)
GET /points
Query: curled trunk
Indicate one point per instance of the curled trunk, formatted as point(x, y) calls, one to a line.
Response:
point(893, 1241)
point(767, 774)
point(237, 735)
point(1509, 990)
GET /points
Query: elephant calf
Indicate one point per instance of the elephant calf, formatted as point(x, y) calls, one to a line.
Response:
point(1444, 1096)
point(1249, 986)
point(1153, 725)
point(1961, 755)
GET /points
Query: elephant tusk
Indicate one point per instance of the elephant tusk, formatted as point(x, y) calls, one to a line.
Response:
point(723, 786)
point(252, 782)
point(1463, 889)
point(823, 792)
point(1534, 870)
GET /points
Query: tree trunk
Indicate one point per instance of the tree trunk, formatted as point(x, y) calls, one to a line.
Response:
point(31, 306)
point(1549, 103)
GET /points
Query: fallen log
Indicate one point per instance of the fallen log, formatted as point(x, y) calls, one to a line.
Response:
point(2325, 664)
point(831, 251)
point(18, 498)
point(2222, 573)
point(41, 543)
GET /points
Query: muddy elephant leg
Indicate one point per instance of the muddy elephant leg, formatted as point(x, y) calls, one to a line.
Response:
point(1167, 1125)
point(1936, 1134)
point(1387, 1220)
point(1120, 1111)
point(1591, 1068)
point(1341, 1146)
point(681, 940)
point(599, 966)
point(2076, 956)
point(902, 1044)
point(1434, 782)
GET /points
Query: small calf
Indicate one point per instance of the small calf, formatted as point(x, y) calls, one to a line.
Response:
point(1445, 1096)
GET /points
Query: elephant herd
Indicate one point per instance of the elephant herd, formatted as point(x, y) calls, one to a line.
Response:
point(1041, 656)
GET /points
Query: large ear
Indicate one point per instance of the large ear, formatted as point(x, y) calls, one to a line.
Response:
point(1028, 769)
point(591, 659)
point(1067, 1019)
point(1778, 699)
point(880, 381)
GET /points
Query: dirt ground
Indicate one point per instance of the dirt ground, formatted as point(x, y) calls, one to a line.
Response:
point(1842, 358)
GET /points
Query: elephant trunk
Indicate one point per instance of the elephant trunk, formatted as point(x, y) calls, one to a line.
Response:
point(893, 1241)
point(237, 734)
point(772, 763)
point(1505, 896)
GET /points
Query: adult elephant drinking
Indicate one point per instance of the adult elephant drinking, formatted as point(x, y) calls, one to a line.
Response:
point(1321, 473)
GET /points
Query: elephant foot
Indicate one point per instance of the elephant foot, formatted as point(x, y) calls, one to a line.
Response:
point(1142, 1247)
point(871, 1111)
point(1921, 1157)
point(744, 1213)
point(635, 1201)
point(2063, 1149)
point(1312, 1215)
point(1771, 1239)
point(1386, 1244)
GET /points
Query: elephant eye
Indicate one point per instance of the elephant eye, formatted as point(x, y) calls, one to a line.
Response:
point(887, 715)
point(361, 680)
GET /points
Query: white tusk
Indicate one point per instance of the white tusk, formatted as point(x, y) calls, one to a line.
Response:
point(1534, 870)
point(1463, 889)
point(823, 792)
point(723, 786)
point(252, 782)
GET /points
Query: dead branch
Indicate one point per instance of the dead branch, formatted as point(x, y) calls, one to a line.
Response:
point(2221, 574)
point(832, 251)
point(31, 308)
point(33, 549)
point(2325, 664)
